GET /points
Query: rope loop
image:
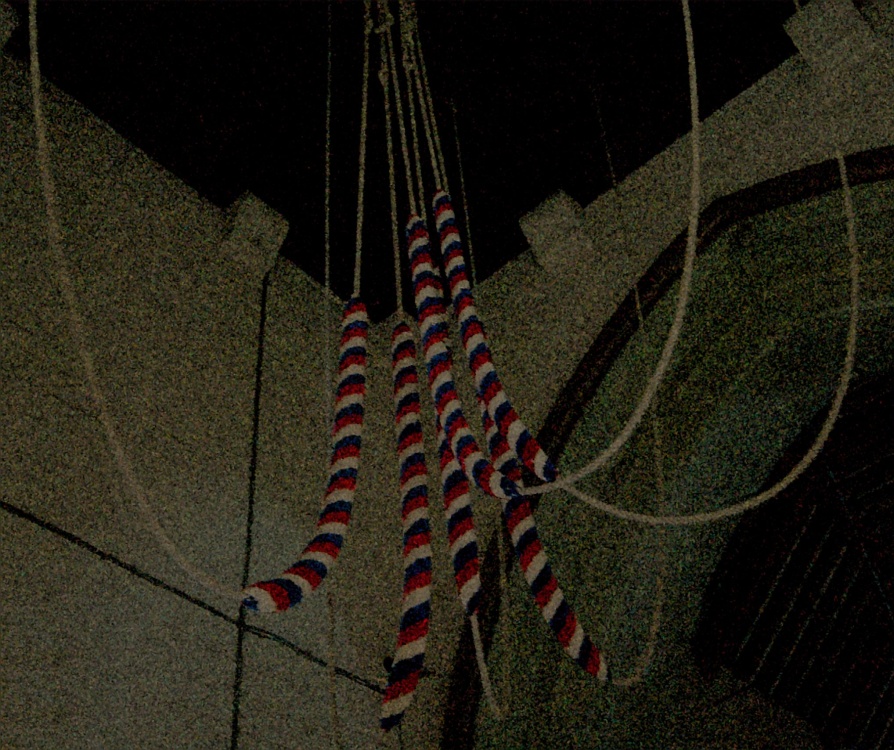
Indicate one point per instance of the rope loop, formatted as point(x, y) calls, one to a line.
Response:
point(386, 21)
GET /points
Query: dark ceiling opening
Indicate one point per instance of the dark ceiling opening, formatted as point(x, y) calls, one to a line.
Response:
point(231, 96)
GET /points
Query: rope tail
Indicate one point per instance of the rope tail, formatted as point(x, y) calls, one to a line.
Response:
point(463, 541)
point(302, 578)
point(409, 656)
point(461, 534)
point(517, 514)
point(474, 338)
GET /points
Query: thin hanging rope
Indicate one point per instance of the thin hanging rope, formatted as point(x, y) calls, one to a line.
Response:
point(404, 142)
point(328, 179)
point(78, 332)
point(828, 424)
point(411, 111)
point(648, 653)
point(410, 35)
point(367, 30)
point(656, 432)
point(335, 730)
point(482, 668)
point(462, 189)
point(416, 84)
point(604, 134)
point(683, 294)
point(389, 145)
point(426, 87)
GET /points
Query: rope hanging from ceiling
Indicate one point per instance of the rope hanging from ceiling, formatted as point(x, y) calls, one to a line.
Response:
point(433, 331)
point(409, 657)
point(487, 382)
point(302, 578)
point(322, 551)
point(432, 322)
point(510, 443)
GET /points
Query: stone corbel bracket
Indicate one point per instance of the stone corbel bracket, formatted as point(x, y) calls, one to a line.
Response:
point(256, 235)
point(854, 67)
point(555, 231)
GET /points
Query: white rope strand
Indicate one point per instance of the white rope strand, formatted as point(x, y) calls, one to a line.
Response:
point(834, 410)
point(328, 178)
point(645, 658)
point(482, 667)
point(395, 227)
point(367, 30)
point(817, 446)
point(389, 145)
point(78, 333)
point(423, 109)
point(413, 49)
point(411, 110)
point(404, 140)
point(685, 283)
point(648, 653)
point(426, 87)
point(683, 295)
point(334, 728)
point(462, 188)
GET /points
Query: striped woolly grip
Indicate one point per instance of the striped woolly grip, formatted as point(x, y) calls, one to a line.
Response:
point(410, 653)
point(545, 588)
point(517, 513)
point(501, 455)
point(432, 320)
point(278, 594)
point(487, 382)
point(461, 533)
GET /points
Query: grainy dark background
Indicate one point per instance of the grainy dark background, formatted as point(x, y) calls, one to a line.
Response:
point(230, 96)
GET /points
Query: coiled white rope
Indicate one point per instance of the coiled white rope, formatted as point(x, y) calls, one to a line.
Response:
point(78, 331)
point(567, 483)
point(834, 410)
point(682, 299)
point(661, 547)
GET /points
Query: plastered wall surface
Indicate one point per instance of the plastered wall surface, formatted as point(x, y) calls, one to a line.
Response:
point(170, 288)
point(583, 260)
